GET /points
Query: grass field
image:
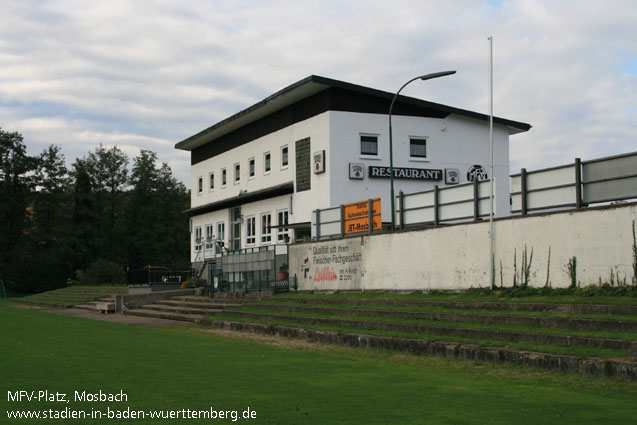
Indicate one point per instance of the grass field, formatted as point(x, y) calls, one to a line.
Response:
point(284, 383)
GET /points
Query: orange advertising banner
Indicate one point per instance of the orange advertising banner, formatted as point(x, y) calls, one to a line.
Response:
point(356, 216)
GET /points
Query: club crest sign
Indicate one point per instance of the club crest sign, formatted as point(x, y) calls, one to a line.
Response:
point(477, 172)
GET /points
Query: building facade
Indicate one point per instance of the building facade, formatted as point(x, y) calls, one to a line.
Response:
point(258, 175)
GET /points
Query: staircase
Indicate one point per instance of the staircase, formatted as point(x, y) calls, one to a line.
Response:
point(186, 308)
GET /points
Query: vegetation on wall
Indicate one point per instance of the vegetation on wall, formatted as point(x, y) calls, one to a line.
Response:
point(58, 224)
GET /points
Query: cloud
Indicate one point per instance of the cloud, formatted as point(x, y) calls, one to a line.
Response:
point(149, 74)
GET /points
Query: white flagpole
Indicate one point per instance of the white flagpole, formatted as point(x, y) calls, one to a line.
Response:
point(492, 177)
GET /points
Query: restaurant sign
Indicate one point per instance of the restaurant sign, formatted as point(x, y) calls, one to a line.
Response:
point(406, 173)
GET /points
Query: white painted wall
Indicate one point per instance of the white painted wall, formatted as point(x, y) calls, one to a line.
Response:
point(315, 128)
point(457, 257)
point(453, 142)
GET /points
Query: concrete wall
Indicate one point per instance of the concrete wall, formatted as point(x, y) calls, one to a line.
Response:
point(457, 257)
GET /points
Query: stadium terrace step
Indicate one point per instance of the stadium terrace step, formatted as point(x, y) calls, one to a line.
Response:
point(513, 336)
point(182, 310)
point(206, 300)
point(165, 315)
point(498, 355)
point(546, 322)
point(478, 305)
point(198, 304)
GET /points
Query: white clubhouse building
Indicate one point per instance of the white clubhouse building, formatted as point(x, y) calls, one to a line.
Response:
point(257, 176)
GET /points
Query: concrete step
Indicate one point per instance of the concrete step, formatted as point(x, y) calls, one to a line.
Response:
point(165, 315)
point(503, 335)
point(87, 306)
point(182, 310)
point(547, 322)
point(478, 305)
point(198, 304)
point(206, 300)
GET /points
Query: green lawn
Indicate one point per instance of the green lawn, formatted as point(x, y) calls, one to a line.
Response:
point(187, 368)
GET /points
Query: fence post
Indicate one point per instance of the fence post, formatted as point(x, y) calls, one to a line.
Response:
point(318, 224)
point(342, 221)
point(436, 206)
point(578, 183)
point(401, 206)
point(370, 212)
point(476, 200)
point(523, 189)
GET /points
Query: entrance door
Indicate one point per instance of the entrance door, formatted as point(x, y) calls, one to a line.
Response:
point(235, 229)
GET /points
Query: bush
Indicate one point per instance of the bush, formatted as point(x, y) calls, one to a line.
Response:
point(102, 271)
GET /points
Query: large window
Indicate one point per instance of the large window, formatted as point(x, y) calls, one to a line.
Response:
point(266, 162)
point(369, 145)
point(221, 231)
point(209, 237)
point(282, 220)
point(417, 147)
point(284, 157)
point(251, 237)
point(266, 228)
point(198, 239)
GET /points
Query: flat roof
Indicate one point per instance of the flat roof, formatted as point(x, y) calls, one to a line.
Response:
point(310, 86)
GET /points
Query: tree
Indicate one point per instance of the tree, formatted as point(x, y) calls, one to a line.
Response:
point(108, 172)
point(16, 185)
point(155, 210)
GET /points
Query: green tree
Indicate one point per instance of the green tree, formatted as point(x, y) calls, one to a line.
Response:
point(16, 186)
point(157, 225)
point(107, 169)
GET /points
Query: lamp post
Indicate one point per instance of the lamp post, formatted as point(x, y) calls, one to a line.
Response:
point(391, 147)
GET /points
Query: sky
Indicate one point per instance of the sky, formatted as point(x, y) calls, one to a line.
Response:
point(148, 74)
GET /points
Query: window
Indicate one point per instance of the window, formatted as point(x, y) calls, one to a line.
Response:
point(197, 239)
point(369, 145)
point(251, 230)
point(282, 233)
point(284, 156)
point(417, 148)
point(211, 178)
point(221, 231)
point(251, 167)
point(266, 229)
point(199, 184)
point(266, 162)
point(209, 236)
point(237, 173)
point(223, 177)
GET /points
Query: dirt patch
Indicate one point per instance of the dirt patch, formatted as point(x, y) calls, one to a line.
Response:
point(272, 340)
point(117, 317)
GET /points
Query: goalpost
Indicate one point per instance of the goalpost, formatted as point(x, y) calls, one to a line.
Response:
point(3, 294)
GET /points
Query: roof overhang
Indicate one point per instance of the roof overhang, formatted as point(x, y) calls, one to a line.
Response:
point(244, 198)
point(310, 86)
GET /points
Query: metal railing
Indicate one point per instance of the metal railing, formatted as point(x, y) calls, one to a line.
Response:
point(579, 184)
point(467, 201)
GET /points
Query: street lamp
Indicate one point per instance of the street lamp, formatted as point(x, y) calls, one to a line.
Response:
point(391, 148)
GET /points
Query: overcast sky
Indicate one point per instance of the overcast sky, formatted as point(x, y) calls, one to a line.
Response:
point(148, 74)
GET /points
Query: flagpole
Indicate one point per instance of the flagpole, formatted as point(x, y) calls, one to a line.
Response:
point(492, 177)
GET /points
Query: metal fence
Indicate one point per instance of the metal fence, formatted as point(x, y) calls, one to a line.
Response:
point(252, 269)
point(451, 203)
point(579, 184)
point(150, 275)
